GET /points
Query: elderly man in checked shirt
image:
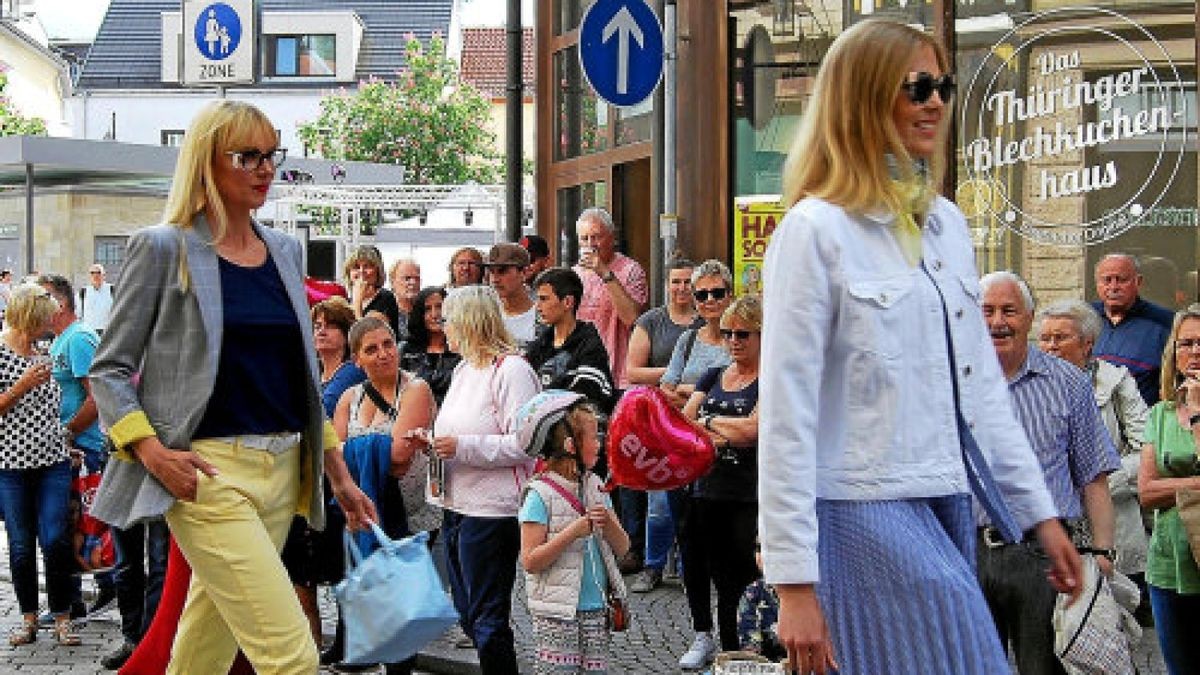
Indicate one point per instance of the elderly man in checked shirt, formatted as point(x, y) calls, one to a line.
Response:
point(1055, 404)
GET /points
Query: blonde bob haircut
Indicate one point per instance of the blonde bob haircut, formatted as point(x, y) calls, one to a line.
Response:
point(473, 317)
point(1171, 377)
point(746, 310)
point(30, 308)
point(366, 254)
point(220, 127)
point(840, 151)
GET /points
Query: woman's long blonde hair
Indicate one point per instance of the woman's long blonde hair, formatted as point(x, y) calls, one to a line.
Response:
point(840, 151)
point(473, 314)
point(1170, 369)
point(220, 127)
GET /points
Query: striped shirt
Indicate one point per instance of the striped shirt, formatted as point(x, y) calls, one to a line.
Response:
point(1056, 406)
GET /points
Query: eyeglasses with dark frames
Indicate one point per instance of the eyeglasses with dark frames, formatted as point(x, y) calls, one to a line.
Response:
point(920, 87)
point(703, 294)
point(727, 334)
point(253, 159)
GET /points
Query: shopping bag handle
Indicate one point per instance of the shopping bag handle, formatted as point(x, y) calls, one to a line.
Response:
point(353, 554)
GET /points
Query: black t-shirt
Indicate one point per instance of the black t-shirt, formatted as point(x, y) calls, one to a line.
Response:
point(385, 303)
point(734, 475)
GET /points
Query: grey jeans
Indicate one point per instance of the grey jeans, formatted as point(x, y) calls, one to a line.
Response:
point(1013, 579)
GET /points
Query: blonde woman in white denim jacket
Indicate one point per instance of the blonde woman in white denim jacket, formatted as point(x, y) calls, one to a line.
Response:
point(865, 515)
point(1068, 329)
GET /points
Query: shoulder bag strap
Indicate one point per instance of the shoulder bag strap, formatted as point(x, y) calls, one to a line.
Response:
point(565, 493)
point(381, 403)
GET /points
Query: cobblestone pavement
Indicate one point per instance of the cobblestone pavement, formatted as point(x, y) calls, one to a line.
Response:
point(659, 634)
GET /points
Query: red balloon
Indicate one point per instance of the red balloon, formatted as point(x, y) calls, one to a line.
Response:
point(652, 446)
point(318, 290)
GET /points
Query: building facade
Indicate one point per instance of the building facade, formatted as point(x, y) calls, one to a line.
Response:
point(1074, 131)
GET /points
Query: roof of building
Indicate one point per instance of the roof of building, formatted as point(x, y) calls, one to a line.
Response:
point(128, 47)
point(484, 60)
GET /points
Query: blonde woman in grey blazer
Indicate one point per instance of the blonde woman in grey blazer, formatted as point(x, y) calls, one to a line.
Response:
point(224, 434)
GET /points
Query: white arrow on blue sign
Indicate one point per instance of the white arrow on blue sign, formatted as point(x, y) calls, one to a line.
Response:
point(621, 50)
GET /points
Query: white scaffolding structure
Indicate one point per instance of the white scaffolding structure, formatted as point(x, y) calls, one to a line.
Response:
point(351, 201)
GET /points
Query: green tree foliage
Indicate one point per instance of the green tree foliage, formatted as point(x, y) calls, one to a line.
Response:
point(13, 123)
point(428, 120)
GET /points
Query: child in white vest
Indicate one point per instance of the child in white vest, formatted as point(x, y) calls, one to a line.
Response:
point(570, 537)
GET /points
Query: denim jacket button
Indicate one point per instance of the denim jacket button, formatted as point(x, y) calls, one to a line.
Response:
point(958, 313)
point(966, 371)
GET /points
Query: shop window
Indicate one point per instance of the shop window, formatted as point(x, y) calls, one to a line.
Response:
point(300, 56)
point(581, 119)
point(110, 252)
point(568, 14)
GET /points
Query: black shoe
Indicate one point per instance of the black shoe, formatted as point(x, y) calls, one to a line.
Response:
point(117, 658)
point(104, 598)
point(630, 563)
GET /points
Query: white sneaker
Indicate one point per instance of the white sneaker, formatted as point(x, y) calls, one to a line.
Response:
point(700, 654)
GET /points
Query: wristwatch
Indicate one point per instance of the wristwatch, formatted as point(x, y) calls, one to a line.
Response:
point(608, 276)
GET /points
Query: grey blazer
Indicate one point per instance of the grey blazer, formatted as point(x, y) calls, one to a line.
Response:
point(173, 338)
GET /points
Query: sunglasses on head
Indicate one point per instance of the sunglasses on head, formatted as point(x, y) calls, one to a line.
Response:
point(739, 334)
point(703, 294)
point(920, 86)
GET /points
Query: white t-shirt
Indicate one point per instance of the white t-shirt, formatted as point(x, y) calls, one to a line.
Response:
point(523, 326)
point(97, 303)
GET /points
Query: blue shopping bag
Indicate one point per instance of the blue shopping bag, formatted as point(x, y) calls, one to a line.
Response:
point(392, 603)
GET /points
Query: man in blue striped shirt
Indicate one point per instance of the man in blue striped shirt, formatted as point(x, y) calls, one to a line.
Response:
point(1056, 406)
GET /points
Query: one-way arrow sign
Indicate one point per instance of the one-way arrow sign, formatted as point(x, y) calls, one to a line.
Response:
point(621, 49)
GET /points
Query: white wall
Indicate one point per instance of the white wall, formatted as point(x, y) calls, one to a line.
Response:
point(35, 84)
point(141, 116)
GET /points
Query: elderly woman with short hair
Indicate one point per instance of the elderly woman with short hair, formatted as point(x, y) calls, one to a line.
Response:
point(35, 472)
point(1068, 329)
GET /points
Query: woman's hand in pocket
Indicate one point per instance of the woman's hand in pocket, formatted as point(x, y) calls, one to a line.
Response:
point(175, 469)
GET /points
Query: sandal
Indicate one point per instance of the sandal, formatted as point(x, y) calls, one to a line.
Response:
point(24, 635)
point(65, 635)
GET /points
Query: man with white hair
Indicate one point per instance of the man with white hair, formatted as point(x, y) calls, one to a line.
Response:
point(405, 277)
point(95, 300)
point(1134, 330)
point(1054, 402)
point(614, 287)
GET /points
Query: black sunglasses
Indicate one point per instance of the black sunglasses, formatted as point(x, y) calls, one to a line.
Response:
point(716, 293)
point(920, 86)
point(739, 334)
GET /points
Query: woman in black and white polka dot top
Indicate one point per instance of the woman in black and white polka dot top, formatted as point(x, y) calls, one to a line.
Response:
point(35, 470)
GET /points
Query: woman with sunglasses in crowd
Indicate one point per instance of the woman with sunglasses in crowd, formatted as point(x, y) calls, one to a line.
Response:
point(696, 352)
point(425, 353)
point(884, 401)
point(723, 507)
point(1170, 463)
point(212, 312)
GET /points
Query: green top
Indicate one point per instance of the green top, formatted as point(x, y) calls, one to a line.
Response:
point(1169, 563)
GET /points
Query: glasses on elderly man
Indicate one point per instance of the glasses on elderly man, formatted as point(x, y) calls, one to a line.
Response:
point(1057, 338)
point(1186, 345)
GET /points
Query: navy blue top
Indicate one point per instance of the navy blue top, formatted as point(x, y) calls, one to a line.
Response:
point(734, 475)
point(347, 375)
point(1136, 343)
point(261, 375)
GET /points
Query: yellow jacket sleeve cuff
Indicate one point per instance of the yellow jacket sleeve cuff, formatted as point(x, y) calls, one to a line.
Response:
point(130, 429)
point(329, 437)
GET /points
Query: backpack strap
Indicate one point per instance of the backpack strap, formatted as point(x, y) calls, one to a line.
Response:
point(564, 492)
point(691, 342)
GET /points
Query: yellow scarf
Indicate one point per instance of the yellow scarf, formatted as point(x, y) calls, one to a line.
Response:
point(915, 197)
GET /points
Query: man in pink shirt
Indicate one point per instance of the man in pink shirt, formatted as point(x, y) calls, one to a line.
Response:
point(614, 287)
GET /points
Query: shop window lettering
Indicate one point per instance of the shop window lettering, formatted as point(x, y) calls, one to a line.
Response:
point(1044, 101)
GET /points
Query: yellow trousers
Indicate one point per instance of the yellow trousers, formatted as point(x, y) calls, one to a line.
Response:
point(240, 594)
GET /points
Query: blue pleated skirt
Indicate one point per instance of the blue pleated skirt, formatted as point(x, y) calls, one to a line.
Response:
point(899, 591)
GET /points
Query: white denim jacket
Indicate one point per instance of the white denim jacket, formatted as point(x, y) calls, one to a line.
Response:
point(856, 400)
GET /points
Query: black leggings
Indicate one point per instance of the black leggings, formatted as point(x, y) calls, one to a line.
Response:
point(718, 548)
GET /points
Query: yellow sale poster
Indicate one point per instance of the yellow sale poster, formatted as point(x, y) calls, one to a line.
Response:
point(754, 219)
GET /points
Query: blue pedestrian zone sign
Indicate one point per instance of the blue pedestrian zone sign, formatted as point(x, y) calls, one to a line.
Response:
point(218, 31)
point(621, 50)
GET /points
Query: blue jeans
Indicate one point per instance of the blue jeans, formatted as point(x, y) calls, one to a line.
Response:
point(481, 557)
point(631, 508)
point(35, 511)
point(1175, 617)
point(663, 513)
point(141, 566)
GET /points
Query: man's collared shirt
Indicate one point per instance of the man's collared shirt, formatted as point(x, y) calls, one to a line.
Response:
point(597, 307)
point(1136, 343)
point(1057, 408)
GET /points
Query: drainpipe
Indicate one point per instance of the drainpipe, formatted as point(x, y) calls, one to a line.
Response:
point(514, 147)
